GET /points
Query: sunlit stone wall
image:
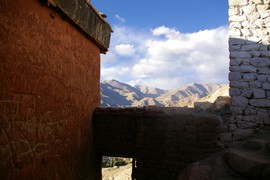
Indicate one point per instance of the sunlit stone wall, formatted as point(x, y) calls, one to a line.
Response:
point(249, 64)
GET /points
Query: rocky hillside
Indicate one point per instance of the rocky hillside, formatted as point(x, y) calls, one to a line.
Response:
point(117, 94)
point(186, 95)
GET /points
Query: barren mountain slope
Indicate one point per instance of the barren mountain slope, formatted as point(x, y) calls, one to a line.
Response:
point(117, 94)
point(150, 91)
point(223, 91)
point(147, 101)
point(186, 95)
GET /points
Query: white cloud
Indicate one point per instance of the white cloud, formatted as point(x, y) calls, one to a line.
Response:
point(165, 58)
point(116, 72)
point(169, 33)
point(122, 20)
point(124, 49)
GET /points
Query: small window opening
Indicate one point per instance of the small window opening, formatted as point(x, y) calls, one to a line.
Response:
point(117, 168)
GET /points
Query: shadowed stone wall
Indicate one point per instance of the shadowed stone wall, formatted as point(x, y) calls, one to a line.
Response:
point(249, 64)
point(49, 79)
point(163, 140)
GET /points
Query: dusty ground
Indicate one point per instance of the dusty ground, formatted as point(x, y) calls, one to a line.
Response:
point(117, 173)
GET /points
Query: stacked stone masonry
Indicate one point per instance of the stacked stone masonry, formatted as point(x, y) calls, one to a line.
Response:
point(249, 63)
point(163, 140)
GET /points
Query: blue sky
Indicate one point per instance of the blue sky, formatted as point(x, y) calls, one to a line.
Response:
point(166, 44)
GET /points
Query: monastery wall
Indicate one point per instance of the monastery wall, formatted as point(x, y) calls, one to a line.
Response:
point(249, 63)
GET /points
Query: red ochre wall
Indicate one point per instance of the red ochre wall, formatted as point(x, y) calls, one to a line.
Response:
point(49, 79)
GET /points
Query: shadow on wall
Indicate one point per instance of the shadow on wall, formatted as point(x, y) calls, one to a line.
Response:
point(163, 140)
point(249, 83)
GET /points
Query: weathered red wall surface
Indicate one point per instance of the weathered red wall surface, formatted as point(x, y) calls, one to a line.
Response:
point(49, 79)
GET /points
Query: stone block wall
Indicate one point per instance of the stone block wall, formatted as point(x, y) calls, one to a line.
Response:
point(115, 132)
point(249, 64)
point(162, 140)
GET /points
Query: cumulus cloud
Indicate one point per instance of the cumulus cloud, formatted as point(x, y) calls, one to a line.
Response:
point(169, 33)
point(125, 49)
point(166, 58)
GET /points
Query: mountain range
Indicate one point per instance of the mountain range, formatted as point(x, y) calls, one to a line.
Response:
point(118, 94)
